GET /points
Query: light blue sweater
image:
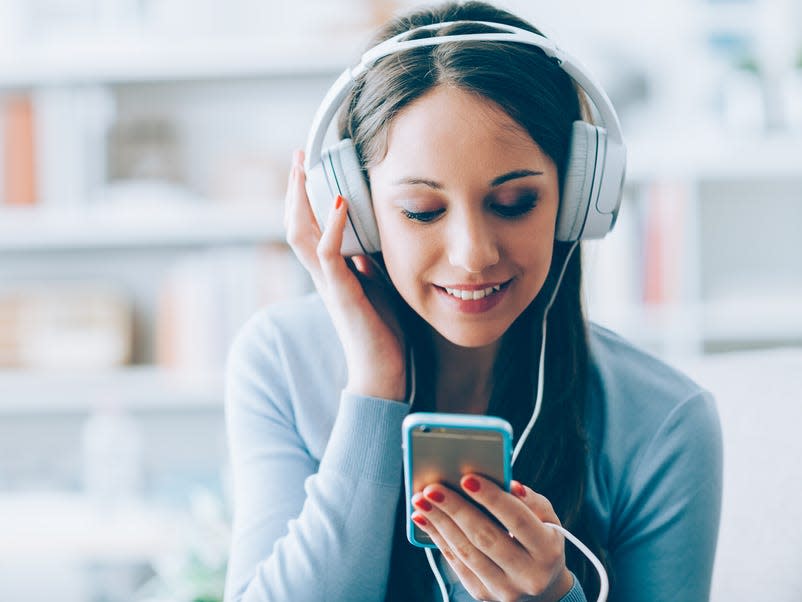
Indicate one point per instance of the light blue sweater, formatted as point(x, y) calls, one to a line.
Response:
point(317, 471)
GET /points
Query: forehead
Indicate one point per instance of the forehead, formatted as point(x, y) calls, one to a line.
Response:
point(455, 128)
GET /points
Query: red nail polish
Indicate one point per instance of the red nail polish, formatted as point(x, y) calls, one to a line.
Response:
point(422, 504)
point(419, 520)
point(518, 489)
point(471, 484)
point(436, 496)
point(338, 202)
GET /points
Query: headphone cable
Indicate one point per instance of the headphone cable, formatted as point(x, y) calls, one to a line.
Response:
point(604, 586)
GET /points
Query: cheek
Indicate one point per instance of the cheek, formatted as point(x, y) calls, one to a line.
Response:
point(533, 259)
point(403, 253)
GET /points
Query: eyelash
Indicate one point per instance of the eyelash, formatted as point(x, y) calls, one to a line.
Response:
point(421, 216)
point(524, 204)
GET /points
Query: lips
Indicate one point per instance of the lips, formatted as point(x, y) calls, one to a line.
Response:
point(474, 298)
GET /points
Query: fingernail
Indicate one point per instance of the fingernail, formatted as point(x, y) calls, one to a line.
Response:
point(338, 202)
point(297, 157)
point(471, 484)
point(422, 504)
point(435, 496)
point(518, 489)
point(419, 520)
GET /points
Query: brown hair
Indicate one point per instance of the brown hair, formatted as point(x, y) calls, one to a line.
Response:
point(542, 98)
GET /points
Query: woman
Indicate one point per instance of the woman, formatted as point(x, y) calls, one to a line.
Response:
point(464, 147)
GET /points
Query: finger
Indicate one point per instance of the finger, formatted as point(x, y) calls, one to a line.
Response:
point(302, 230)
point(446, 507)
point(297, 161)
point(329, 255)
point(363, 265)
point(537, 503)
point(467, 577)
point(523, 517)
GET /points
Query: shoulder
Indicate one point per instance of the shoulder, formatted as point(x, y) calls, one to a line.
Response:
point(287, 361)
point(645, 420)
point(635, 391)
point(299, 320)
point(622, 370)
point(293, 332)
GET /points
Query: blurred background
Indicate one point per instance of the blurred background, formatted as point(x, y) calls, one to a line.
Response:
point(144, 150)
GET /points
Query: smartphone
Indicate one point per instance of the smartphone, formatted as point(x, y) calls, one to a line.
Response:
point(441, 448)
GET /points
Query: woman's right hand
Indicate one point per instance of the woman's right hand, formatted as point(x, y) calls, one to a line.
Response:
point(360, 305)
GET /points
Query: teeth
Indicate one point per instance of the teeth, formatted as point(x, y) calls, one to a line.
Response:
point(472, 295)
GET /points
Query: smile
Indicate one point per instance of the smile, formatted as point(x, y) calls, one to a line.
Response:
point(474, 299)
point(474, 295)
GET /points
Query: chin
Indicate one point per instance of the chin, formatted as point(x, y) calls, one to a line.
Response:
point(471, 338)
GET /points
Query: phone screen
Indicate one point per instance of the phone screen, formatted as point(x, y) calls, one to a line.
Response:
point(443, 454)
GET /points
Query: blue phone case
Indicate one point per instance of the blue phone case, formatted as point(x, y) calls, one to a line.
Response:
point(433, 421)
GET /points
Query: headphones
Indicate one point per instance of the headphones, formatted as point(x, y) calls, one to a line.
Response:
point(594, 178)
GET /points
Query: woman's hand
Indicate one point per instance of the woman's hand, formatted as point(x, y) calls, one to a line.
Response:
point(358, 303)
point(519, 559)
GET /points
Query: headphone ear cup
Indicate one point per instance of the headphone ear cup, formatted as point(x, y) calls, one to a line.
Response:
point(344, 174)
point(580, 182)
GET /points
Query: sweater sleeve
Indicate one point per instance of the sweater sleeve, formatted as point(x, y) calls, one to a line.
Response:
point(303, 530)
point(664, 540)
point(575, 594)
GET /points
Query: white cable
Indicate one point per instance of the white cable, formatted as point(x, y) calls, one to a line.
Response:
point(541, 360)
point(604, 585)
point(440, 581)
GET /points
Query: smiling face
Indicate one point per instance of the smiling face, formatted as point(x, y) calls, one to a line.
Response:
point(466, 204)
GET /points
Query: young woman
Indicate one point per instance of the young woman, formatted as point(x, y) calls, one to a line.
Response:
point(464, 148)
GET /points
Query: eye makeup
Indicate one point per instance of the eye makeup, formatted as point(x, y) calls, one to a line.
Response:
point(523, 203)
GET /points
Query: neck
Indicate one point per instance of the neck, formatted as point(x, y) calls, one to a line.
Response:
point(464, 379)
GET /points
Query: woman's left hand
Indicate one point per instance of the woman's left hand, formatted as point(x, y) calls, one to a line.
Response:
point(519, 559)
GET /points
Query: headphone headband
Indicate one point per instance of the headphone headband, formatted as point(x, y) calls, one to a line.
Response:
point(339, 90)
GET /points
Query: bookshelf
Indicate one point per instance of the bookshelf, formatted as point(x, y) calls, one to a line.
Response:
point(188, 249)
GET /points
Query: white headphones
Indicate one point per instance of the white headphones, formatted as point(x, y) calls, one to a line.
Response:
point(594, 178)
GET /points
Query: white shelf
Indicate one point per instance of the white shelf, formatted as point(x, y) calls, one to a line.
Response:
point(70, 527)
point(714, 154)
point(143, 59)
point(774, 319)
point(690, 326)
point(43, 229)
point(133, 388)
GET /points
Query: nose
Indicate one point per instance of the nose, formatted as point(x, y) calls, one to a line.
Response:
point(472, 243)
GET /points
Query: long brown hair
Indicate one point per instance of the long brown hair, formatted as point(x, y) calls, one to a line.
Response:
point(542, 98)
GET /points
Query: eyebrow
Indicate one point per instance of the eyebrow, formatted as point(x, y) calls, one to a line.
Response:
point(512, 175)
point(518, 173)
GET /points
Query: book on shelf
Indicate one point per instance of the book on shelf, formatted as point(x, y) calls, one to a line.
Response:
point(207, 297)
point(18, 173)
point(639, 269)
point(55, 326)
point(72, 124)
point(664, 243)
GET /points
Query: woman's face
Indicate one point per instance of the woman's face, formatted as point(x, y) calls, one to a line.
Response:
point(466, 205)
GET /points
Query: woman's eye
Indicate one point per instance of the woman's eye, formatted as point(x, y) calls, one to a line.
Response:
point(421, 216)
point(524, 204)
